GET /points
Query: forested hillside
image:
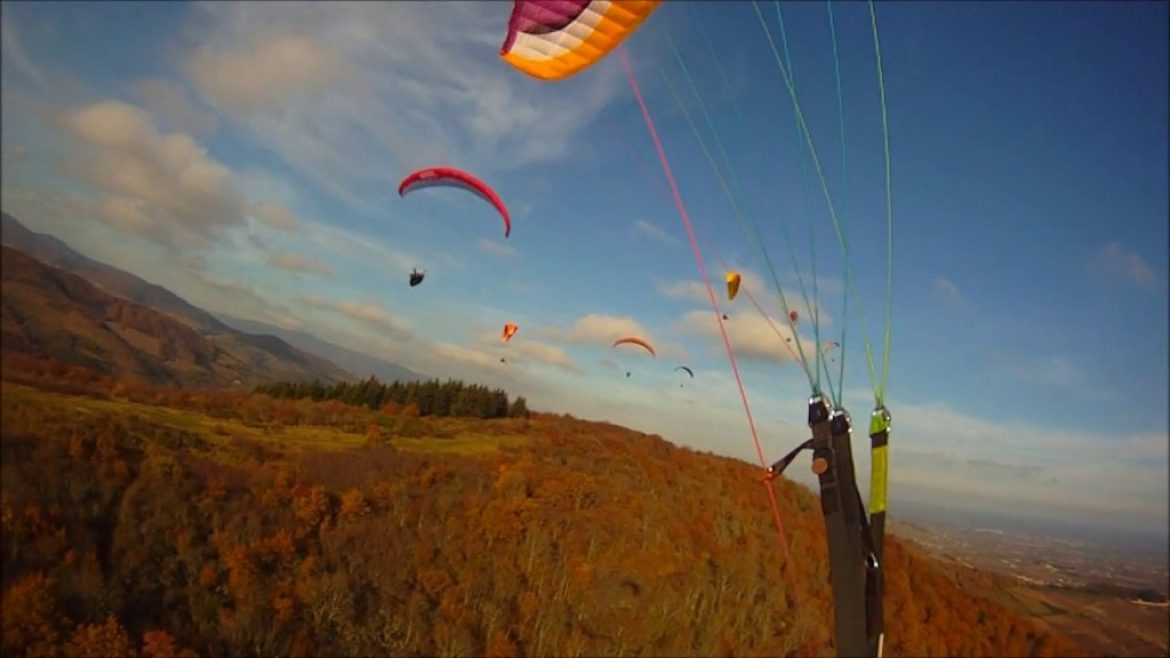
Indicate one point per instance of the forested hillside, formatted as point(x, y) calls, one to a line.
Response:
point(139, 519)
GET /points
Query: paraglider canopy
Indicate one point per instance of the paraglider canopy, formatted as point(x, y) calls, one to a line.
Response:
point(416, 277)
point(451, 177)
point(636, 340)
point(554, 40)
point(509, 331)
point(733, 280)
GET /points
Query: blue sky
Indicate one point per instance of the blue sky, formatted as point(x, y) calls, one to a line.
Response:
point(247, 155)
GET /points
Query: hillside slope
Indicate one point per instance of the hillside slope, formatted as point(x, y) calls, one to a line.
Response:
point(313, 528)
point(53, 313)
point(267, 356)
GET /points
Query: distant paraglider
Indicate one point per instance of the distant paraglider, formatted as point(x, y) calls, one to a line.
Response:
point(416, 277)
point(636, 340)
point(733, 280)
point(451, 177)
point(509, 331)
point(793, 316)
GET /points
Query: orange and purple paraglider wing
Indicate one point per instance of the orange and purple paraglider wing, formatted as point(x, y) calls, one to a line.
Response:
point(554, 39)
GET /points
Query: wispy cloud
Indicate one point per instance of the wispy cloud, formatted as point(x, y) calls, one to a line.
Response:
point(654, 232)
point(953, 455)
point(370, 314)
point(242, 300)
point(10, 46)
point(369, 250)
point(1116, 261)
point(1046, 370)
point(493, 248)
point(354, 98)
point(170, 104)
point(948, 291)
point(275, 215)
point(298, 263)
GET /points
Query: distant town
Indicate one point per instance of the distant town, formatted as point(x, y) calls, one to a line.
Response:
point(1045, 561)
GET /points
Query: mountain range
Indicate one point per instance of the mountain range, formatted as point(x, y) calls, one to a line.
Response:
point(62, 304)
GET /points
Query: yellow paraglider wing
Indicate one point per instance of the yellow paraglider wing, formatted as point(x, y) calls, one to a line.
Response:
point(554, 39)
point(732, 285)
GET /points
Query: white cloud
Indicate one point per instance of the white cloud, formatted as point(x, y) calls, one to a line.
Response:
point(370, 250)
point(464, 354)
point(752, 335)
point(353, 95)
point(947, 290)
point(161, 186)
point(1115, 260)
point(299, 263)
point(368, 313)
point(1021, 469)
point(493, 248)
point(545, 352)
point(654, 232)
point(601, 330)
point(264, 70)
point(598, 329)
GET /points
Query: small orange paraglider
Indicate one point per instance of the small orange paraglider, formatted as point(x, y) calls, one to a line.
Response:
point(793, 316)
point(509, 331)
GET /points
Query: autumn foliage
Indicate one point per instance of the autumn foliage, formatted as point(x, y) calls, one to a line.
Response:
point(152, 530)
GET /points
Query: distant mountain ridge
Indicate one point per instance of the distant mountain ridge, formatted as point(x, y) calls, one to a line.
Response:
point(362, 365)
point(55, 252)
point(33, 325)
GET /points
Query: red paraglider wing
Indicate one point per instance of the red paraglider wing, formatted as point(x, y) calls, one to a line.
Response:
point(451, 177)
